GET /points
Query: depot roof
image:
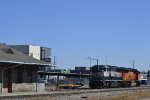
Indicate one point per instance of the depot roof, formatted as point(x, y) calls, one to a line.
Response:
point(10, 55)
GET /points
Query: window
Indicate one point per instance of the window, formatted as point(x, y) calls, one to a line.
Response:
point(31, 54)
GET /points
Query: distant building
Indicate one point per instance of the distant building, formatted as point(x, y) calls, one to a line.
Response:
point(37, 52)
point(45, 54)
point(60, 71)
point(148, 74)
point(143, 79)
point(81, 70)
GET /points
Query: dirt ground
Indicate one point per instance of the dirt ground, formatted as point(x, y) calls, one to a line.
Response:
point(113, 95)
point(139, 93)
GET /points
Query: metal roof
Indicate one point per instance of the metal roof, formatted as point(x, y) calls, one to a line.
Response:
point(63, 74)
point(10, 55)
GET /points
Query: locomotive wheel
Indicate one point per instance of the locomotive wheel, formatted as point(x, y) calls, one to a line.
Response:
point(92, 85)
point(97, 84)
point(119, 84)
point(107, 85)
point(138, 83)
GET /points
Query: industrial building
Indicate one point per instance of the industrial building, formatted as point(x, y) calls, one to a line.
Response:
point(81, 70)
point(37, 52)
point(143, 78)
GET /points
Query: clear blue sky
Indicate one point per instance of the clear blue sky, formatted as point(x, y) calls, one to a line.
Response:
point(77, 29)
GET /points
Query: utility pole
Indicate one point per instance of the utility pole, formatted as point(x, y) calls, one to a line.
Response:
point(90, 58)
point(106, 58)
point(54, 63)
point(106, 63)
point(133, 64)
point(96, 60)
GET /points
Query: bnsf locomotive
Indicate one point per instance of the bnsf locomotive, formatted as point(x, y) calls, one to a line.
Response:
point(106, 76)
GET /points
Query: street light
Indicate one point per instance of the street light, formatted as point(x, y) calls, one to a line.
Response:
point(55, 63)
point(96, 60)
point(90, 58)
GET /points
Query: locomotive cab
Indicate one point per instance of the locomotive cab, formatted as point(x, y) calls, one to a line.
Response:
point(97, 76)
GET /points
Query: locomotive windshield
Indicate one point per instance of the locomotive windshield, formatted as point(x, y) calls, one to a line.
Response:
point(98, 68)
point(98, 71)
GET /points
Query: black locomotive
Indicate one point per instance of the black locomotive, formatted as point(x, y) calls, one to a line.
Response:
point(106, 76)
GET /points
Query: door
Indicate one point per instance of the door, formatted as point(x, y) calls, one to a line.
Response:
point(7, 80)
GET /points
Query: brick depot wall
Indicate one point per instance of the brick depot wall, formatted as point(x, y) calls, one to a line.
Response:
point(28, 87)
point(28, 74)
point(0, 87)
point(24, 87)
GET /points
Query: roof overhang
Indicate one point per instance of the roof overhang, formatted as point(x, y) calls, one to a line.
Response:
point(23, 63)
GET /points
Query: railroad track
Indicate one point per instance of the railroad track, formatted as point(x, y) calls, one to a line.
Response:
point(88, 90)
